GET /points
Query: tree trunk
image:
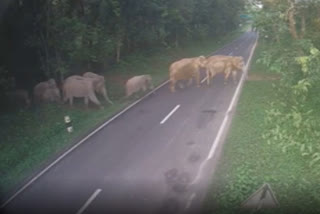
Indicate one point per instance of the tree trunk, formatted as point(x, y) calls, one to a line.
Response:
point(292, 21)
point(303, 26)
point(58, 74)
point(46, 53)
point(128, 43)
point(176, 40)
point(118, 51)
point(274, 28)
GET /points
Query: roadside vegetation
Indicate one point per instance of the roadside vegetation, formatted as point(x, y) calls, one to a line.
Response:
point(113, 47)
point(274, 137)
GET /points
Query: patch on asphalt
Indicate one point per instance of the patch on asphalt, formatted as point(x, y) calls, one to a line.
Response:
point(194, 157)
point(178, 181)
point(170, 206)
point(142, 111)
point(190, 143)
point(205, 117)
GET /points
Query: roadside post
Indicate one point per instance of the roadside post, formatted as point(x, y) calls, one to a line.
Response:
point(68, 123)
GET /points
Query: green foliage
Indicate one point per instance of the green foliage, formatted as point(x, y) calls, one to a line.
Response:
point(6, 81)
point(291, 121)
point(248, 161)
point(70, 34)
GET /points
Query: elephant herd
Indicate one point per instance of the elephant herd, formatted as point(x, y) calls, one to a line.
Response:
point(189, 69)
point(90, 84)
point(86, 86)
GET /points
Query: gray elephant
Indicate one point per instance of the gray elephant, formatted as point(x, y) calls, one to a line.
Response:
point(137, 83)
point(47, 91)
point(78, 86)
point(99, 85)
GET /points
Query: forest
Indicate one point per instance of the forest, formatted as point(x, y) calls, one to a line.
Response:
point(57, 38)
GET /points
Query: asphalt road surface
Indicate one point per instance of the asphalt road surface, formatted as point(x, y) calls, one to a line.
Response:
point(147, 160)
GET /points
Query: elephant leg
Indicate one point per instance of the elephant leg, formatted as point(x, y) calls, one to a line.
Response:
point(208, 76)
point(94, 99)
point(128, 93)
point(198, 79)
point(71, 101)
point(190, 82)
point(234, 77)
point(86, 102)
point(227, 74)
point(144, 88)
point(180, 85)
point(105, 95)
point(172, 85)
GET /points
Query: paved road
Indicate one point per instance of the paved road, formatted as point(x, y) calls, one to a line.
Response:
point(144, 161)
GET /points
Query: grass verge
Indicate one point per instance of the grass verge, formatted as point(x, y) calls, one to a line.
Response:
point(248, 161)
point(29, 138)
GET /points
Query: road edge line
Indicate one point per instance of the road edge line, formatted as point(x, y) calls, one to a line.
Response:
point(224, 122)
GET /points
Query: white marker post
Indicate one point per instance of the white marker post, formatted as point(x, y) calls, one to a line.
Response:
point(68, 122)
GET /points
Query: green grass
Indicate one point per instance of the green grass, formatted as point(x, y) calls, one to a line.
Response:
point(248, 161)
point(31, 138)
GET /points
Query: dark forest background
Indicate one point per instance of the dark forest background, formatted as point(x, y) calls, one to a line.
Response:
point(43, 39)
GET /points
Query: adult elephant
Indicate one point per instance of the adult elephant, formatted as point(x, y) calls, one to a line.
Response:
point(186, 69)
point(46, 91)
point(99, 84)
point(79, 87)
point(224, 64)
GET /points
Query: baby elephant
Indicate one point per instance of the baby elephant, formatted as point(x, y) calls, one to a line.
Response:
point(78, 86)
point(47, 91)
point(137, 83)
point(99, 84)
point(20, 96)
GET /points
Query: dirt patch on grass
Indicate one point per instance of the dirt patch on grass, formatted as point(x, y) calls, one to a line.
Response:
point(260, 77)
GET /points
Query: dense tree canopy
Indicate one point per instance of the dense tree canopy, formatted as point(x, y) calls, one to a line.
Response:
point(50, 38)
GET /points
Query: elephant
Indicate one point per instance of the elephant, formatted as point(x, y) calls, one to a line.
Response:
point(137, 83)
point(19, 95)
point(186, 69)
point(47, 91)
point(78, 86)
point(223, 64)
point(99, 84)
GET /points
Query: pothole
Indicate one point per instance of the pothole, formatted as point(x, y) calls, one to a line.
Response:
point(170, 206)
point(190, 143)
point(178, 181)
point(194, 157)
point(205, 117)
